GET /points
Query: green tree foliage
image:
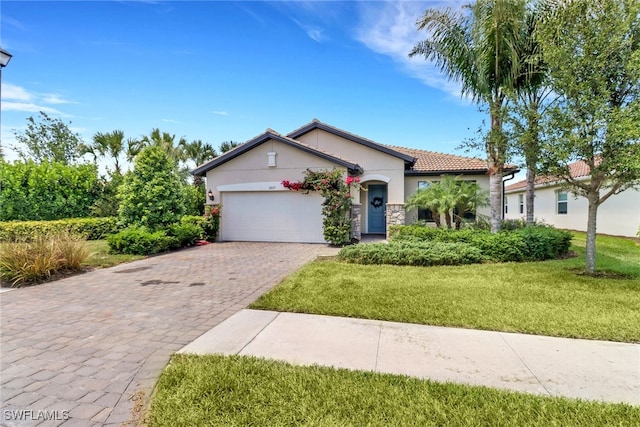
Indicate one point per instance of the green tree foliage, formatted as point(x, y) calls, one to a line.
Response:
point(152, 194)
point(450, 197)
point(46, 190)
point(48, 140)
point(196, 153)
point(529, 100)
point(593, 53)
point(111, 146)
point(228, 145)
point(478, 48)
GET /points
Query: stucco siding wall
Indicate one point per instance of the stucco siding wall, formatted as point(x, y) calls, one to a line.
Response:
point(252, 166)
point(411, 186)
point(619, 215)
point(372, 161)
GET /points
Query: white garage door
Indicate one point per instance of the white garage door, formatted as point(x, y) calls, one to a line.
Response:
point(283, 216)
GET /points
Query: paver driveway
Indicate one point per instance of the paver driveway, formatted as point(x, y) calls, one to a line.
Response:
point(82, 349)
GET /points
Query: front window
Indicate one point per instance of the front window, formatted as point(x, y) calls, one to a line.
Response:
point(562, 204)
point(521, 203)
point(423, 213)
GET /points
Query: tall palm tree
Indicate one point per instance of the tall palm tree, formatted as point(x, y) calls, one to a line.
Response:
point(198, 152)
point(479, 50)
point(164, 140)
point(110, 144)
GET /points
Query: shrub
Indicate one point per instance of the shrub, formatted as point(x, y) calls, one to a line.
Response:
point(209, 223)
point(152, 194)
point(140, 241)
point(412, 253)
point(545, 242)
point(33, 191)
point(28, 262)
point(185, 234)
point(89, 228)
point(531, 243)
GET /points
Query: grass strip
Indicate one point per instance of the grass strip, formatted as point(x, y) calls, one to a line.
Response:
point(545, 298)
point(239, 391)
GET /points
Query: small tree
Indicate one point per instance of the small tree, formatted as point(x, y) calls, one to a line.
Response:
point(593, 53)
point(451, 197)
point(50, 140)
point(151, 194)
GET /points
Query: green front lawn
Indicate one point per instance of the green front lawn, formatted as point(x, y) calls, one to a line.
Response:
point(545, 298)
point(241, 391)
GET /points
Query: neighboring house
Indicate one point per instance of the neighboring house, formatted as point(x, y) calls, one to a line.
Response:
point(246, 181)
point(619, 215)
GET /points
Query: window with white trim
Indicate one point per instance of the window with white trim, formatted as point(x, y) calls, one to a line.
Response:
point(561, 203)
point(521, 203)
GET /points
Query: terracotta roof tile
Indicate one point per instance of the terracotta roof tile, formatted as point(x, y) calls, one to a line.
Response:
point(576, 169)
point(431, 161)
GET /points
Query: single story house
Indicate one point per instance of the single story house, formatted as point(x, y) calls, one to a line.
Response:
point(247, 182)
point(619, 215)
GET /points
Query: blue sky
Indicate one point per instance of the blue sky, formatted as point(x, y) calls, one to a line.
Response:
point(220, 71)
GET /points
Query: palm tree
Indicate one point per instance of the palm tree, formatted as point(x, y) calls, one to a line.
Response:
point(469, 198)
point(198, 152)
point(478, 49)
point(228, 145)
point(427, 198)
point(164, 140)
point(109, 144)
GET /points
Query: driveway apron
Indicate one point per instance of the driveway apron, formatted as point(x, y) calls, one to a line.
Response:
point(87, 350)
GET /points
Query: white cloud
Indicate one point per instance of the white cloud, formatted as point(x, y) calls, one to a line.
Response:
point(220, 113)
point(53, 98)
point(389, 28)
point(16, 93)
point(30, 108)
point(170, 121)
point(17, 98)
point(314, 32)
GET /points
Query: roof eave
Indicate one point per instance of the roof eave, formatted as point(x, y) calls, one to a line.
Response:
point(318, 125)
point(353, 168)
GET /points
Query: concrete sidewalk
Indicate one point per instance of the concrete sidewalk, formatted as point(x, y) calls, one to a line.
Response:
point(595, 370)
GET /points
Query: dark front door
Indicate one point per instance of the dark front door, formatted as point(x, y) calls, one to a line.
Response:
point(377, 208)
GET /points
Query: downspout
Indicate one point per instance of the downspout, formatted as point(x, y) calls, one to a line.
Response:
point(513, 175)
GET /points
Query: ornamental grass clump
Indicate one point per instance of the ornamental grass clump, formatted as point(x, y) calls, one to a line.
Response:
point(28, 262)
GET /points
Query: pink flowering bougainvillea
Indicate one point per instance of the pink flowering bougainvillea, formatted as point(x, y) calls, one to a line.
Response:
point(336, 208)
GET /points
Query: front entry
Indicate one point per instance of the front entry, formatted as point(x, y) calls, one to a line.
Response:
point(377, 208)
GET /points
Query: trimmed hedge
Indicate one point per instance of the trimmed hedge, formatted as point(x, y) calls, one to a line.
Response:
point(532, 243)
point(414, 253)
point(89, 228)
point(141, 241)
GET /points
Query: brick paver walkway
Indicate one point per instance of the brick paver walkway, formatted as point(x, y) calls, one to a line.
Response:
point(84, 348)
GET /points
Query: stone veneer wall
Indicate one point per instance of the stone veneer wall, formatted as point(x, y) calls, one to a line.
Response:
point(395, 215)
point(356, 220)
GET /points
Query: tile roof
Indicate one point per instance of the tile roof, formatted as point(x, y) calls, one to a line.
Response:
point(576, 169)
point(419, 162)
point(431, 161)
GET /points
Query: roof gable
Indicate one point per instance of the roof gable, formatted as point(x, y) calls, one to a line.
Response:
point(316, 124)
point(270, 134)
